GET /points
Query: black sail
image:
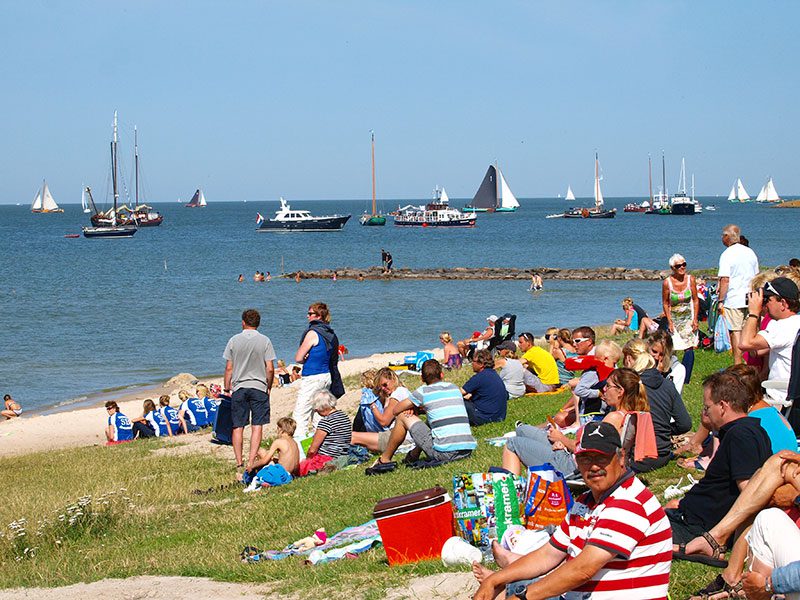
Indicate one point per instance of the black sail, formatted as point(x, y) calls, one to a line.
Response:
point(195, 201)
point(486, 196)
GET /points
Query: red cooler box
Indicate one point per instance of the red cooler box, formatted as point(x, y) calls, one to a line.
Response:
point(415, 526)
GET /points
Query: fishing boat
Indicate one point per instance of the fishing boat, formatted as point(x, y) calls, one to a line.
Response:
point(437, 213)
point(287, 219)
point(493, 194)
point(597, 211)
point(43, 201)
point(768, 193)
point(197, 201)
point(113, 230)
point(681, 204)
point(141, 215)
point(374, 219)
point(738, 193)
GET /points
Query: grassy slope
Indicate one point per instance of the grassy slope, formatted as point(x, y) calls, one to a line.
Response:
point(174, 532)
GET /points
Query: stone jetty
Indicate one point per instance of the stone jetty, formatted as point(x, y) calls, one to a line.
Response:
point(485, 273)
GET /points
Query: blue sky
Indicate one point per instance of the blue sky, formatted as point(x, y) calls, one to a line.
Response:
point(252, 100)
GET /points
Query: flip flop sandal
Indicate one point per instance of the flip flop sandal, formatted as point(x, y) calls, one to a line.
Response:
point(720, 586)
point(715, 560)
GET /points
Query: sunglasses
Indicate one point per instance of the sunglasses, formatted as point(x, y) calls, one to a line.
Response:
point(385, 384)
point(679, 265)
point(579, 340)
point(311, 314)
point(549, 336)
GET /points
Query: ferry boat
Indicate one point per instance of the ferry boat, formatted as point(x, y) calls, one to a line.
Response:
point(287, 219)
point(437, 213)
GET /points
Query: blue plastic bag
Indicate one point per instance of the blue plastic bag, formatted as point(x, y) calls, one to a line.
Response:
point(722, 338)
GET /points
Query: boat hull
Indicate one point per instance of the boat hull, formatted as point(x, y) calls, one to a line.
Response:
point(467, 222)
point(109, 232)
point(42, 210)
point(682, 209)
point(317, 224)
point(99, 221)
point(587, 213)
point(373, 221)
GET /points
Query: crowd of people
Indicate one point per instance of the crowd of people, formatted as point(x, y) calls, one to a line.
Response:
point(625, 409)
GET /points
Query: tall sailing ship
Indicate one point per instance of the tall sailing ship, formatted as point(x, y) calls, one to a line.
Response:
point(598, 211)
point(375, 219)
point(43, 201)
point(494, 194)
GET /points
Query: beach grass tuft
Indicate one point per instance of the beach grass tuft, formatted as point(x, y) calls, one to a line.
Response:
point(133, 510)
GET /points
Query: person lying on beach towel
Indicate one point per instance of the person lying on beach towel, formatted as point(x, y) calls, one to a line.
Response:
point(265, 472)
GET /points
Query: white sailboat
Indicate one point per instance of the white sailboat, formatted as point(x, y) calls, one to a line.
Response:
point(570, 197)
point(43, 202)
point(768, 193)
point(738, 193)
point(84, 203)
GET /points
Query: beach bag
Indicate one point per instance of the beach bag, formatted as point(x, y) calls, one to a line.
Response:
point(485, 505)
point(223, 423)
point(722, 338)
point(547, 497)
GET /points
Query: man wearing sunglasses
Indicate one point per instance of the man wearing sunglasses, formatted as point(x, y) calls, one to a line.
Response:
point(738, 265)
point(780, 298)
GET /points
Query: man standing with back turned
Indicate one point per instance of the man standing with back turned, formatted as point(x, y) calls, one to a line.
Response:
point(737, 266)
point(249, 372)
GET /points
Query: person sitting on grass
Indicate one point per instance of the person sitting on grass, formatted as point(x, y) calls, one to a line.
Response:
point(511, 370)
point(541, 364)
point(375, 415)
point(285, 450)
point(452, 357)
point(744, 448)
point(775, 485)
point(445, 436)
point(621, 390)
point(485, 395)
point(636, 319)
point(560, 343)
point(170, 415)
point(211, 406)
point(11, 409)
point(332, 436)
point(614, 543)
point(192, 412)
point(659, 344)
point(583, 339)
point(477, 342)
point(146, 425)
point(119, 428)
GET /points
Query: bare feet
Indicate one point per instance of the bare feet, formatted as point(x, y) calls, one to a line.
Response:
point(502, 557)
point(480, 571)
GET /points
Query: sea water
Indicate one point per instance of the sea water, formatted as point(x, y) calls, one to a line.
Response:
point(83, 315)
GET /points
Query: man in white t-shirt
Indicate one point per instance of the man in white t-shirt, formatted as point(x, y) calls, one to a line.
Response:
point(738, 264)
point(780, 296)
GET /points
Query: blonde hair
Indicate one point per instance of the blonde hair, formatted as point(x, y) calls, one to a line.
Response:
point(639, 354)
point(369, 379)
point(627, 301)
point(759, 279)
point(551, 331)
point(608, 349)
point(287, 425)
point(202, 391)
point(446, 337)
point(184, 395)
point(163, 400)
point(385, 373)
point(634, 397)
point(281, 363)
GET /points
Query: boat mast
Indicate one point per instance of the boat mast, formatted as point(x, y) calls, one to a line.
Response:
point(663, 177)
point(136, 161)
point(114, 169)
point(596, 179)
point(373, 172)
point(650, 178)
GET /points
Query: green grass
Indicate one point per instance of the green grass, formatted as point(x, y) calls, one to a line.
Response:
point(170, 531)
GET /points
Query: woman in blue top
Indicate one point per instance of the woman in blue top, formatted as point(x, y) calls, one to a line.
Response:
point(317, 353)
point(170, 415)
point(119, 428)
point(145, 426)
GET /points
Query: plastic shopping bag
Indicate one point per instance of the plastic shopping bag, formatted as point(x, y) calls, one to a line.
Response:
point(547, 497)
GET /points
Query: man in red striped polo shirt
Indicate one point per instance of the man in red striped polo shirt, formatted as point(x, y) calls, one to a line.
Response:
point(616, 542)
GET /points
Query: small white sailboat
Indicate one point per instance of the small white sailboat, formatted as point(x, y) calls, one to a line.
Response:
point(768, 193)
point(43, 202)
point(738, 193)
point(570, 197)
point(84, 203)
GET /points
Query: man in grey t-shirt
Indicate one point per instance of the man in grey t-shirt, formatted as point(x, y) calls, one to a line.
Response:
point(248, 373)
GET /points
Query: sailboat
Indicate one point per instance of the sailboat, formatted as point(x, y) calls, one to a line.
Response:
point(197, 201)
point(738, 193)
point(598, 211)
point(768, 193)
point(570, 197)
point(43, 202)
point(659, 204)
point(84, 202)
point(682, 204)
point(142, 214)
point(373, 219)
point(113, 230)
point(493, 194)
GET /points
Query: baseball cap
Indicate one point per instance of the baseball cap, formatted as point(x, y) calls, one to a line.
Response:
point(599, 436)
point(491, 318)
point(507, 345)
point(782, 287)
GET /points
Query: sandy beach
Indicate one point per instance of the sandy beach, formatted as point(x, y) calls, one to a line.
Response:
point(85, 426)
